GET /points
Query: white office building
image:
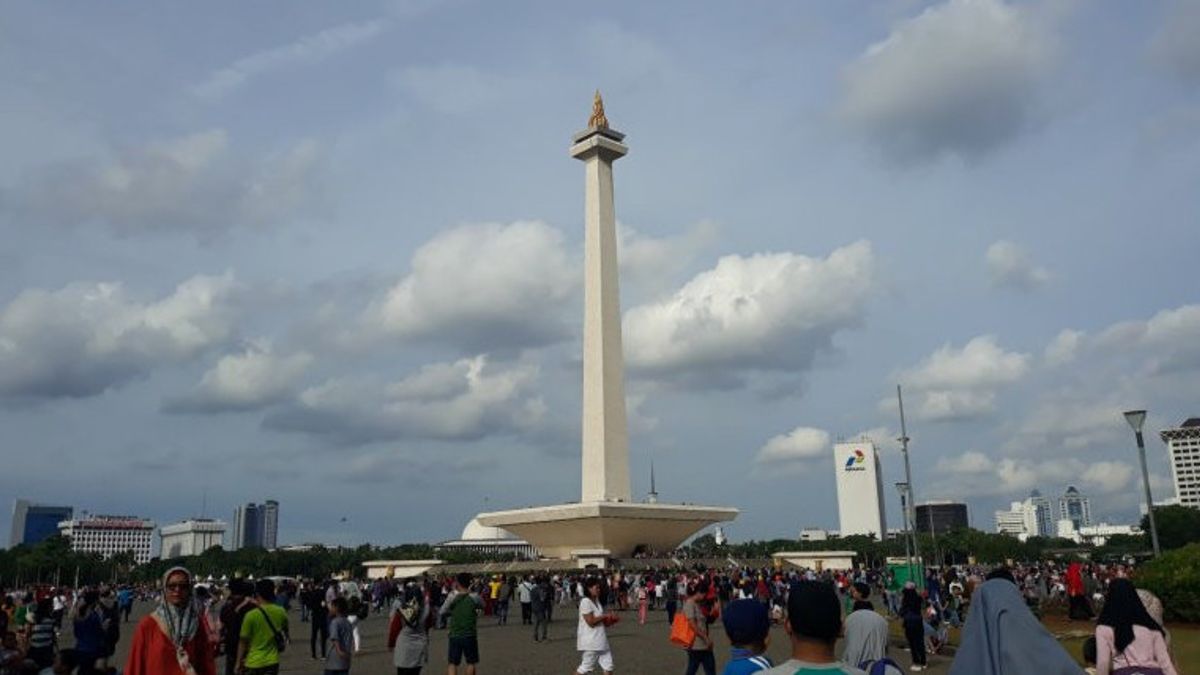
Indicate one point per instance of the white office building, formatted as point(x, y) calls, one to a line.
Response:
point(1183, 449)
point(108, 535)
point(859, 489)
point(191, 537)
point(1013, 521)
point(1039, 516)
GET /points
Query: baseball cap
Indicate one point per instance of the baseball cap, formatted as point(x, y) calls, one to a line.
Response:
point(746, 621)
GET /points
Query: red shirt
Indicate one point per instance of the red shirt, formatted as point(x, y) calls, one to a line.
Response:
point(153, 654)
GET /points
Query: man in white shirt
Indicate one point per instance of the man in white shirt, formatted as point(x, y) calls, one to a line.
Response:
point(591, 638)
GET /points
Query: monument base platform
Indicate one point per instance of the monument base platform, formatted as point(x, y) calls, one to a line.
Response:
point(619, 528)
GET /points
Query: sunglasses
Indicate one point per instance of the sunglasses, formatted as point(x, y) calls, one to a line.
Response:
point(178, 587)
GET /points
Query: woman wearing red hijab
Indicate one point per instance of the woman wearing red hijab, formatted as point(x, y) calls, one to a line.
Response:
point(1079, 606)
point(172, 640)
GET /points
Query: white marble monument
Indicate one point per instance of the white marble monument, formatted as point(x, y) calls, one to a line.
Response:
point(604, 523)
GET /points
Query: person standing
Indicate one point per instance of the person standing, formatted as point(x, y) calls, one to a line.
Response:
point(173, 639)
point(591, 637)
point(42, 635)
point(232, 613)
point(318, 614)
point(525, 597)
point(914, 625)
point(813, 624)
point(264, 630)
point(866, 631)
point(700, 653)
point(87, 623)
point(542, 598)
point(341, 640)
point(672, 603)
point(462, 607)
point(643, 600)
point(408, 632)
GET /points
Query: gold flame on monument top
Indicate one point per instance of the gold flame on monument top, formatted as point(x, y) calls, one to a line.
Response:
point(598, 120)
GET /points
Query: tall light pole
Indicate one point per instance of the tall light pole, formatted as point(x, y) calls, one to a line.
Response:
point(910, 516)
point(902, 488)
point(1136, 419)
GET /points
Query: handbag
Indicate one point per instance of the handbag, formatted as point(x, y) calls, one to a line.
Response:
point(682, 632)
point(281, 640)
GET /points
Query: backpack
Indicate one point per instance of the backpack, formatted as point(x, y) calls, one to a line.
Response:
point(880, 667)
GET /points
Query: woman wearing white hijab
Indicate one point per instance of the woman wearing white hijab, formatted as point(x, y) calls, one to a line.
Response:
point(172, 640)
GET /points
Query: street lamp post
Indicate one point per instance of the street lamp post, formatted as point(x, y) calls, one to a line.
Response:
point(1136, 419)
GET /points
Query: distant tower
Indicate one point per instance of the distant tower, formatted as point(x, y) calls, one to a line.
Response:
point(652, 498)
point(1076, 508)
point(605, 431)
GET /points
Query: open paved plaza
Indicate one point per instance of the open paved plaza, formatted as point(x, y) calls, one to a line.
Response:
point(510, 649)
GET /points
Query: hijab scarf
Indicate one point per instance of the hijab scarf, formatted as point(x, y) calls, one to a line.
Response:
point(1002, 637)
point(179, 623)
point(1123, 609)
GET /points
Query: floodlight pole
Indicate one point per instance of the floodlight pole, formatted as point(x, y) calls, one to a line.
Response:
point(910, 518)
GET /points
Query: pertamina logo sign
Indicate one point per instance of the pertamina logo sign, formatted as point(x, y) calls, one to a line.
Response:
point(856, 461)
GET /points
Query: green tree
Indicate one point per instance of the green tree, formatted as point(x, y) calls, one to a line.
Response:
point(1178, 526)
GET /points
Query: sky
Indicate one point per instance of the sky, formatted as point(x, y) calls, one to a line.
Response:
point(329, 253)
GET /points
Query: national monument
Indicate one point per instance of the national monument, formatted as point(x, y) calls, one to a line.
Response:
point(605, 523)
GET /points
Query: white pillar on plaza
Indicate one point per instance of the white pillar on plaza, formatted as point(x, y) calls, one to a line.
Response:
point(604, 523)
point(605, 432)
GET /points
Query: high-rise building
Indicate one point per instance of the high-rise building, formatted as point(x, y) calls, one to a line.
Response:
point(940, 517)
point(256, 526)
point(859, 489)
point(269, 514)
point(108, 535)
point(190, 537)
point(1076, 508)
point(1012, 521)
point(32, 523)
point(1039, 516)
point(1183, 448)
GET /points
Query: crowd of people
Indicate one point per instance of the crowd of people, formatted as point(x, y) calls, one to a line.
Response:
point(241, 627)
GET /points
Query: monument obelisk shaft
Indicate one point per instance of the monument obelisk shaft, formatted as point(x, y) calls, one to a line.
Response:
point(605, 431)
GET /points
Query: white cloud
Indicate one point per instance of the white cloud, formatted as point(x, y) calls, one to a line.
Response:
point(955, 384)
point(1175, 45)
point(961, 78)
point(483, 287)
point(651, 264)
point(460, 401)
point(800, 443)
point(971, 461)
point(308, 49)
point(1009, 266)
point(974, 473)
point(1171, 338)
point(254, 378)
point(192, 183)
point(1065, 347)
point(85, 338)
point(764, 312)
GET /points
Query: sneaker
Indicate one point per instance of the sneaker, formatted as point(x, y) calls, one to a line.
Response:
point(916, 668)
